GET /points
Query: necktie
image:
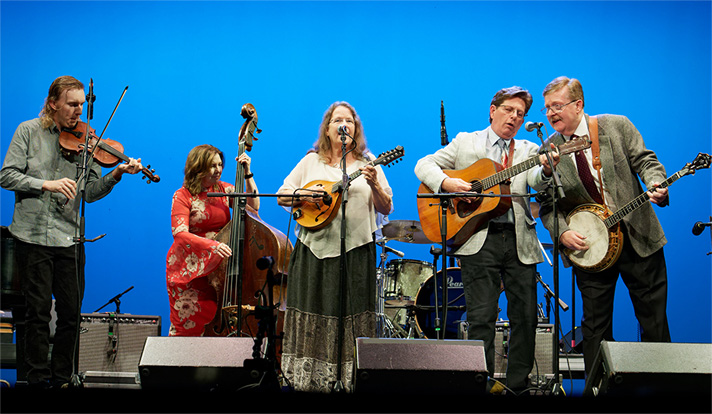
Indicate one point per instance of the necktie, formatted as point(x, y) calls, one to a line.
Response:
point(585, 174)
point(505, 157)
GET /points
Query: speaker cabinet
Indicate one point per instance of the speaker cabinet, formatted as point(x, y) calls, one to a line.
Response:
point(202, 363)
point(113, 342)
point(649, 369)
point(420, 366)
point(543, 352)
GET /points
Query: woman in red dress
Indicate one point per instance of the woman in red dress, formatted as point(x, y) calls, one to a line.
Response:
point(195, 220)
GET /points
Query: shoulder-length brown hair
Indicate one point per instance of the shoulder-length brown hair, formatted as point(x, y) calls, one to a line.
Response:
point(322, 146)
point(58, 87)
point(197, 166)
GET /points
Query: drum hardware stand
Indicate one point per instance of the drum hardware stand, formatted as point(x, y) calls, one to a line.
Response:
point(412, 325)
point(556, 194)
point(436, 253)
point(384, 326)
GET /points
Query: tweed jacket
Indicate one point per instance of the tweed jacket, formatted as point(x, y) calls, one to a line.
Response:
point(624, 158)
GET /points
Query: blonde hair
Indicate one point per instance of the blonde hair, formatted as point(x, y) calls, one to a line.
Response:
point(197, 166)
point(58, 87)
point(571, 84)
point(322, 146)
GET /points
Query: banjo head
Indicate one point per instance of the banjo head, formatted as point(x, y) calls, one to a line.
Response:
point(590, 225)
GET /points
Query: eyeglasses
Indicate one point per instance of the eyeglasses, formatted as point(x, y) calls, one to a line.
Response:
point(340, 120)
point(509, 109)
point(556, 108)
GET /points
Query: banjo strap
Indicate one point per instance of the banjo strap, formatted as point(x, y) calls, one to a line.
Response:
point(596, 153)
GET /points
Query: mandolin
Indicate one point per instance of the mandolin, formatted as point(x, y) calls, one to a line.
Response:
point(315, 216)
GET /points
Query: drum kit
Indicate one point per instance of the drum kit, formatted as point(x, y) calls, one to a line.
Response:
point(409, 292)
point(406, 289)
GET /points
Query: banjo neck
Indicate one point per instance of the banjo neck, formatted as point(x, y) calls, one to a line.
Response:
point(637, 202)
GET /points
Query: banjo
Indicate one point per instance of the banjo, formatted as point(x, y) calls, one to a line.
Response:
point(602, 227)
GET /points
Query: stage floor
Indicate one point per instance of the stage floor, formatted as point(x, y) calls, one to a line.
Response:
point(18, 400)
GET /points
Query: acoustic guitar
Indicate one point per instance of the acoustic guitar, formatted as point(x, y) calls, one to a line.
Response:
point(315, 216)
point(464, 219)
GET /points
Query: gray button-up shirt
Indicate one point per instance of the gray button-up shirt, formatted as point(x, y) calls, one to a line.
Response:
point(33, 157)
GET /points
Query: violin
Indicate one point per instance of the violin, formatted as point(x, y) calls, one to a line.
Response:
point(108, 153)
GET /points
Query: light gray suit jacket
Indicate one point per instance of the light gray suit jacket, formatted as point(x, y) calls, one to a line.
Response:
point(465, 150)
point(624, 157)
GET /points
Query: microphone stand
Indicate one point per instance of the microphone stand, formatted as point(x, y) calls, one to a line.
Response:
point(338, 386)
point(266, 368)
point(558, 191)
point(115, 300)
point(79, 239)
point(444, 202)
point(114, 325)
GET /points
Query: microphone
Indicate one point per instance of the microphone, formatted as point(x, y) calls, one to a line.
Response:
point(699, 227)
point(531, 126)
point(90, 98)
point(343, 129)
point(326, 198)
point(443, 131)
point(394, 251)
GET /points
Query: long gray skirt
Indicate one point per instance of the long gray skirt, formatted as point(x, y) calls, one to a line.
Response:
point(311, 326)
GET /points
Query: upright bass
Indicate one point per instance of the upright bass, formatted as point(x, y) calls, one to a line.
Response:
point(239, 284)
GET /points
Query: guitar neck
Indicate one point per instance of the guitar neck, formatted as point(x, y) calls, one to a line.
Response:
point(634, 204)
point(510, 172)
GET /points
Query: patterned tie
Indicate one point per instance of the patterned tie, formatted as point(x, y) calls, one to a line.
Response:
point(585, 174)
point(505, 158)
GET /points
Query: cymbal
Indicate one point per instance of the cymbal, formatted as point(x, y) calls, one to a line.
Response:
point(408, 231)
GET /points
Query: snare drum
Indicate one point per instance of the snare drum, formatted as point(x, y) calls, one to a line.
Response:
point(403, 280)
point(425, 304)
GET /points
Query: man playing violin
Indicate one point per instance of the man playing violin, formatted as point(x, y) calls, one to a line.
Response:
point(45, 223)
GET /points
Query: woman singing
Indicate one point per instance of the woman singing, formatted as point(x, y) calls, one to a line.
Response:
point(310, 348)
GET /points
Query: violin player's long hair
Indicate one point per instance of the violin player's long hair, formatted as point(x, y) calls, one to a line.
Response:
point(322, 146)
point(197, 166)
point(58, 87)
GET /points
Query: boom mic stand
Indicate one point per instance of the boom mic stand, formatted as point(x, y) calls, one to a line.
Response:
point(558, 191)
point(444, 203)
point(338, 386)
point(79, 239)
point(266, 367)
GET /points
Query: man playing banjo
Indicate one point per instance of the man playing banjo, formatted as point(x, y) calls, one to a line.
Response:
point(610, 181)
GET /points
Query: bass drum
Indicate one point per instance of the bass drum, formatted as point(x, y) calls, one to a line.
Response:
point(425, 304)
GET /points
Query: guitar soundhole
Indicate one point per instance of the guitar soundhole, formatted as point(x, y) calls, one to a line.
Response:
point(465, 209)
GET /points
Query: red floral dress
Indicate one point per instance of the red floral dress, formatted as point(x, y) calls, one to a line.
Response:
point(195, 220)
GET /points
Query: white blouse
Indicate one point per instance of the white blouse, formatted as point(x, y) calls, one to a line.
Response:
point(360, 210)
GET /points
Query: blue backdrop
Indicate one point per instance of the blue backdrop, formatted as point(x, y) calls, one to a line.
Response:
point(190, 66)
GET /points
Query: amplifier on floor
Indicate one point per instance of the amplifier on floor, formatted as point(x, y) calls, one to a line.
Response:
point(420, 366)
point(197, 363)
point(113, 342)
point(543, 368)
point(651, 369)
